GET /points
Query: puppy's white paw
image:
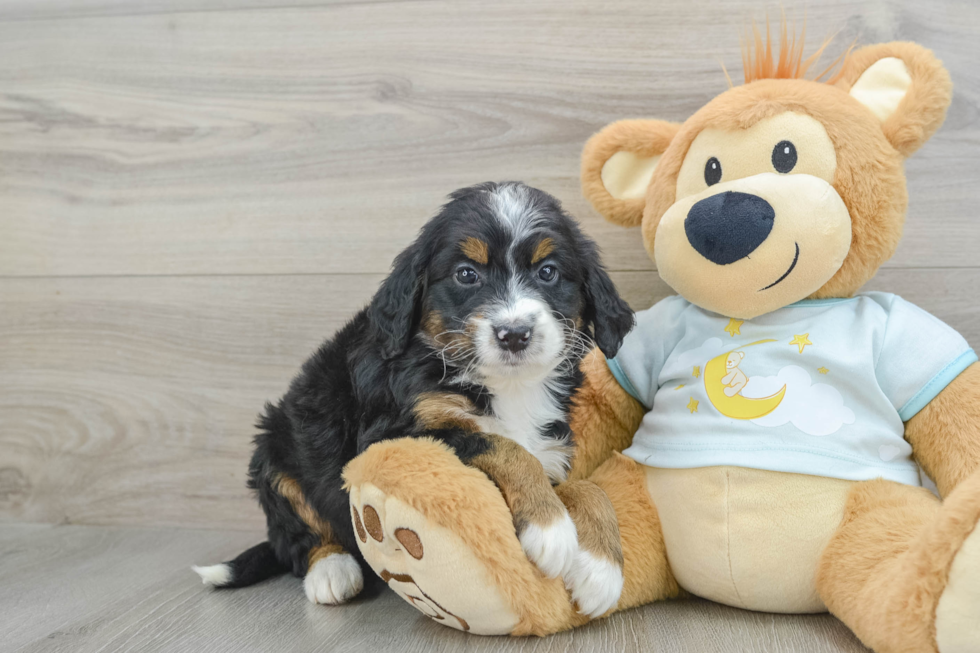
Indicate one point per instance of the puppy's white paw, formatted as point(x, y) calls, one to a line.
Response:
point(595, 583)
point(552, 548)
point(334, 579)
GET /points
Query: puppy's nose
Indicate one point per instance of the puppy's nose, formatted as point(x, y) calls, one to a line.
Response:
point(513, 337)
point(729, 226)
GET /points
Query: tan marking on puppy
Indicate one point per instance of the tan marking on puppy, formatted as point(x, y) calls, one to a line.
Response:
point(476, 250)
point(440, 410)
point(325, 549)
point(594, 517)
point(433, 325)
point(544, 248)
point(289, 488)
point(522, 481)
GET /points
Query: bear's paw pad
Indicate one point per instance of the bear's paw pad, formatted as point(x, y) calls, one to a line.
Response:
point(427, 565)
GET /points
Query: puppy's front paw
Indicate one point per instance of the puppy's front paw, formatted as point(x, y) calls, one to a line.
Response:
point(553, 547)
point(333, 580)
point(595, 583)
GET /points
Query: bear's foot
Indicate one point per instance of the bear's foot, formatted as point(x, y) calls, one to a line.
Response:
point(958, 609)
point(903, 570)
point(440, 534)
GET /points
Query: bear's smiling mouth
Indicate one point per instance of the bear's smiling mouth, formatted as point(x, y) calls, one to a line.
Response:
point(785, 274)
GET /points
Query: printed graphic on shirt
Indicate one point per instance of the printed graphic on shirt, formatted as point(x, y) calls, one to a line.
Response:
point(788, 396)
point(724, 383)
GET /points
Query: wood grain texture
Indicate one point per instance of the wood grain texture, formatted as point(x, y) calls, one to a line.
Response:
point(153, 138)
point(76, 589)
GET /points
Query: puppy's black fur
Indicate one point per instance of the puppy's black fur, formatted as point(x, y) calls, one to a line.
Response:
point(363, 384)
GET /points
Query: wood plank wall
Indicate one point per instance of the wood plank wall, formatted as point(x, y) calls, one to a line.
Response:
point(194, 193)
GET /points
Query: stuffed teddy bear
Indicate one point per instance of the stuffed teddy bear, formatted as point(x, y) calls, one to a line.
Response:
point(766, 211)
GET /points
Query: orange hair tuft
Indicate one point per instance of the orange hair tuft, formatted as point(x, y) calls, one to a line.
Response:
point(758, 55)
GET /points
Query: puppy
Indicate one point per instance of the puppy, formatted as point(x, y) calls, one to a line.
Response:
point(474, 339)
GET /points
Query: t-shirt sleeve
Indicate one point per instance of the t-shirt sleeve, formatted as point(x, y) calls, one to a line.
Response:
point(920, 355)
point(639, 361)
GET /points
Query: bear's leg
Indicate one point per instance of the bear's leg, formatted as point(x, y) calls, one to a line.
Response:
point(440, 534)
point(903, 569)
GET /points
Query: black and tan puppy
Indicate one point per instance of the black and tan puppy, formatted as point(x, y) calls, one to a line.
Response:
point(475, 340)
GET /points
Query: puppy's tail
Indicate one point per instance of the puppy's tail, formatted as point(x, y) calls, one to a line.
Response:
point(252, 566)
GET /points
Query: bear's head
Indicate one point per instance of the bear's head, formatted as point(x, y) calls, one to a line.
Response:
point(734, 359)
point(778, 190)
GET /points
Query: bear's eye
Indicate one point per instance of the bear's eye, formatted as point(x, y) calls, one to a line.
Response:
point(712, 171)
point(784, 156)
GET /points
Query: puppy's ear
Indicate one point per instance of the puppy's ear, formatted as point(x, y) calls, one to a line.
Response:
point(395, 308)
point(905, 86)
point(618, 163)
point(609, 315)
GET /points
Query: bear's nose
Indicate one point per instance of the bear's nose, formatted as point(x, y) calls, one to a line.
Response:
point(729, 226)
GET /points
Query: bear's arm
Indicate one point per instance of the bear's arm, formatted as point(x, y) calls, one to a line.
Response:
point(945, 435)
point(603, 418)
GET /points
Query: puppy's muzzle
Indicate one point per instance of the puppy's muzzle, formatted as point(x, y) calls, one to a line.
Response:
point(513, 337)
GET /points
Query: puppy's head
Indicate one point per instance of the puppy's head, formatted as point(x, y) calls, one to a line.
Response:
point(503, 284)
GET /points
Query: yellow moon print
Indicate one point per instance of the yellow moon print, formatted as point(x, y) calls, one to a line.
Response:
point(737, 407)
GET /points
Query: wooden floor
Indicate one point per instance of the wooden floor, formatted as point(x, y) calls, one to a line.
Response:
point(81, 588)
point(194, 193)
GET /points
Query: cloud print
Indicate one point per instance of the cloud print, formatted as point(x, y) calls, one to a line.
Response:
point(814, 408)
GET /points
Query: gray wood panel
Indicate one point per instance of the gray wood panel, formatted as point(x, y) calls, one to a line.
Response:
point(78, 589)
point(130, 400)
point(319, 137)
point(193, 193)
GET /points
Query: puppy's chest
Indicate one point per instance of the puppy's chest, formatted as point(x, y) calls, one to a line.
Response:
point(526, 415)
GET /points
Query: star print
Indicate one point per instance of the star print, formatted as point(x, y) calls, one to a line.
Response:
point(734, 327)
point(822, 370)
point(697, 371)
point(802, 341)
point(692, 405)
point(679, 387)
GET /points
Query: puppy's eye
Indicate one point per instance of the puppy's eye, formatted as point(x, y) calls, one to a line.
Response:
point(784, 156)
point(467, 276)
point(712, 171)
point(548, 273)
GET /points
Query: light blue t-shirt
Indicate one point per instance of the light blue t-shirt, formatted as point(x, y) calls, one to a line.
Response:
point(819, 387)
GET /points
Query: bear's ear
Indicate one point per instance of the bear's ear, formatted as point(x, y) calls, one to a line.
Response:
point(904, 85)
point(617, 164)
